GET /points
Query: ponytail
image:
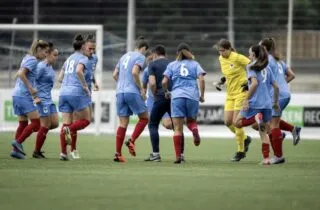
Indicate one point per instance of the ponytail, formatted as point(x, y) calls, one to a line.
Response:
point(36, 44)
point(270, 45)
point(261, 57)
point(183, 52)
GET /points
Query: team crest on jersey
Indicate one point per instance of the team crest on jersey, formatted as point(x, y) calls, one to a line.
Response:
point(231, 65)
point(45, 110)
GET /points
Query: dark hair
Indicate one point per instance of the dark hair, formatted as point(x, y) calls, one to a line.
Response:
point(270, 45)
point(37, 44)
point(78, 41)
point(51, 47)
point(141, 42)
point(225, 44)
point(90, 38)
point(261, 56)
point(159, 50)
point(183, 52)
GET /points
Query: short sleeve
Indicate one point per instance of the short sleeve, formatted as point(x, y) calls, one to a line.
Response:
point(85, 61)
point(145, 76)
point(252, 73)
point(285, 67)
point(30, 64)
point(168, 72)
point(140, 61)
point(272, 78)
point(200, 70)
point(243, 60)
point(151, 69)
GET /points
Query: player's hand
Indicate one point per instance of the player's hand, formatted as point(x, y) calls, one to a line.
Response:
point(245, 105)
point(201, 99)
point(143, 94)
point(36, 100)
point(220, 84)
point(86, 89)
point(276, 106)
point(167, 94)
point(95, 87)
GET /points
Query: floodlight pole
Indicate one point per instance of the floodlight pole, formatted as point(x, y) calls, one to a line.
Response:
point(13, 34)
point(230, 22)
point(131, 24)
point(35, 17)
point(289, 35)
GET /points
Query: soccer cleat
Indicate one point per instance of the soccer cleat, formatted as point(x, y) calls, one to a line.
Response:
point(18, 147)
point(265, 161)
point(119, 158)
point(17, 155)
point(247, 142)
point(64, 157)
point(296, 135)
point(38, 155)
point(67, 135)
point(154, 158)
point(258, 118)
point(75, 154)
point(196, 137)
point(238, 156)
point(131, 147)
point(182, 158)
point(277, 160)
point(179, 160)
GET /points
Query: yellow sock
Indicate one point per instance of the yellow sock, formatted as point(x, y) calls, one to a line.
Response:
point(240, 137)
point(232, 128)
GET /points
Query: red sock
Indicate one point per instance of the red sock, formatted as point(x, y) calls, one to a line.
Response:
point(32, 127)
point(177, 145)
point(182, 144)
point(21, 127)
point(121, 133)
point(79, 125)
point(272, 144)
point(265, 150)
point(277, 141)
point(74, 136)
point(138, 129)
point(246, 122)
point(41, 137)
point(63, 143)
point(192, 124)
point(285, 126)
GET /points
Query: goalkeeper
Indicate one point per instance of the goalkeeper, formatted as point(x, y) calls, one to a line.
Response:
point(233, 67)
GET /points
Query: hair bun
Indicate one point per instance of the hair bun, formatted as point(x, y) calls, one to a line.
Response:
point(78, 37)
point(140, 38)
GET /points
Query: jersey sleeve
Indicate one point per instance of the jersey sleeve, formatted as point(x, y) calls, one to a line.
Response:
point(84, 61)
point(140, 61)
point(168, 72)
point(251, 73)
point(200, 70)
point(272, 79)
point(285, 67)
point(30, 64)
point(243, 60)
point(145, 76)
point(151, 69)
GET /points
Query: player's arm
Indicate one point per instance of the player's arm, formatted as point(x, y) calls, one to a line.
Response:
point(136, 77)
point(290, 75)
point(202, 86)
point(23, 76)
point(61, 75)
point(243, 60)
point(153, 84)
point(164, 83)
point(253, 87)
point(115, 74)
point(80, 73)
point(94, 81)
point(275, 103)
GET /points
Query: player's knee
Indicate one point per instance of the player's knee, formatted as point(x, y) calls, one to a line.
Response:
point(35, 125)
point(167, 124)
point(54, 125)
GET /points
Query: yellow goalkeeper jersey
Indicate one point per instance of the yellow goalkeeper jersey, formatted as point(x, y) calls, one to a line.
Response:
point(234, 69)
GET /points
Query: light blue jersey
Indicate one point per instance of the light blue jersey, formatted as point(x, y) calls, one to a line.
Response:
point(125, 83)
point(91, 69)
point(44, 82)
point(28, 62)
point(261, 98)
point(145, 80)
point(71, 84)
point(284, 91)
point(183, 75)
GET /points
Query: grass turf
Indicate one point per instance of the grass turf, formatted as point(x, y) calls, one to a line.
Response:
point(208, 180)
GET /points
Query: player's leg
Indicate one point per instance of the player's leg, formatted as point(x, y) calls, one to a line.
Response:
point(178, 138)
point(192, 108)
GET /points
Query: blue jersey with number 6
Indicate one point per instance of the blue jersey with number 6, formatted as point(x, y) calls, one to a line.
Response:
point(71, 84)
point(184, 75)
point(261, 98)
point(125, 83)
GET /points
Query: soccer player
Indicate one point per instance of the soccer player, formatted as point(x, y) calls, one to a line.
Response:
point(233, 67)
point(75, 94)
point(284, 98)
point(258, 104)
point(184, 73)
point(23, 97)
point(161, 105)
point(130, 96)
point(45, 76)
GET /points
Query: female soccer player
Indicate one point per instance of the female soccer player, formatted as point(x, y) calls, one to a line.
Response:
point(75, 94)
point(23, 97)
point(284, 98)
point(130, 97)
point(233, 67)
point(45, 76)
point(258, 104)
point(185, 98)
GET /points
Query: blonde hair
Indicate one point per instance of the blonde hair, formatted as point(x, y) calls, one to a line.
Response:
point(183, 52)
point(37, 44)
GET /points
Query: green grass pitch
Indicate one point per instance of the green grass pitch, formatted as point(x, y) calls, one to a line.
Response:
point(208, 180)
